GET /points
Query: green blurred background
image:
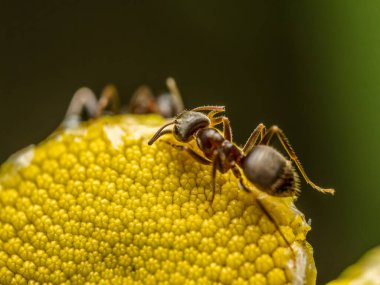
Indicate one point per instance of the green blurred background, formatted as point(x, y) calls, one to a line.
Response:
point(313, 68)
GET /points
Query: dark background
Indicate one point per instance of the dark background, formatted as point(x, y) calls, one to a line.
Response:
point(310, 67)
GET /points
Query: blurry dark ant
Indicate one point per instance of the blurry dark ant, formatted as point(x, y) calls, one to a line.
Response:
point(84, 104)
point(261, 164)
point(167, 104)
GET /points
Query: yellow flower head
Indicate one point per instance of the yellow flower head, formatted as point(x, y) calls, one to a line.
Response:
point(95, 204)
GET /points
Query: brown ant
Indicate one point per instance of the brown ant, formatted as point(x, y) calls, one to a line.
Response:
point(167, 104)
point(84, 104)
point(261, 164)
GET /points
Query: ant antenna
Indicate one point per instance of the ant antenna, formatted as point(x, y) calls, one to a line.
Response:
point(160, 133)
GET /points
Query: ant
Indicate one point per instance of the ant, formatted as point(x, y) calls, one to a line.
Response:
point(167, 104)
point(260, 163)
point(84, 104)
point(263, 166)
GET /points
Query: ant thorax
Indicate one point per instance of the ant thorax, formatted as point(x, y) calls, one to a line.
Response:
point(187, 123)
point(215, 146)
point(230, 155)
point(209, 140)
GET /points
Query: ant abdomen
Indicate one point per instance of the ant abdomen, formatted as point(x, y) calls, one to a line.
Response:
point(270, 171)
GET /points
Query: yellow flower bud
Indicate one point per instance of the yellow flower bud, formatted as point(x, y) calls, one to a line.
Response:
point(97, 204)
point(366, 271)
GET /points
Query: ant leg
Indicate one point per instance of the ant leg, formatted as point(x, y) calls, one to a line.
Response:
point(271, 218)
point(161, 132)
point(191, 152)
point(274, 130)
point(258, 197)
point(202, 160)
point(175, 95)
point(109, 99)
point(215, 109)
point(252, 140)
point(227, 131)
point(213, 176)
point(266, 213)
point(82, 103)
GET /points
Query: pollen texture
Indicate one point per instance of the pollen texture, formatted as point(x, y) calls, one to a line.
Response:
point(95, 204)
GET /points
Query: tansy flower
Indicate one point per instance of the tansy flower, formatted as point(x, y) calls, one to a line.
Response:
point(94, 204)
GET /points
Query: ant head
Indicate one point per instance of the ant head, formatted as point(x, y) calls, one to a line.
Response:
point(187, 123)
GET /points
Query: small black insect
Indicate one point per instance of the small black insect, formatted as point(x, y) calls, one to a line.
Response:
point(167, 104)
point(261, 164)
point(84, 104)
